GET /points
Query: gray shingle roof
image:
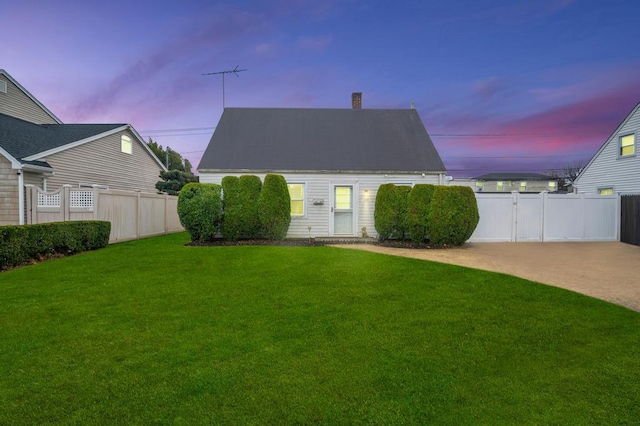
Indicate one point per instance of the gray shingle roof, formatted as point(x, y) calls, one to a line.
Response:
point(344, 140)
point(514, 176)
point(23, 139)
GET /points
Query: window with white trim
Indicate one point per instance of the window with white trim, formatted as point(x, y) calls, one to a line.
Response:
point(296, 193)
point(553, 185)
point(3, 86)
point(125, 144)
point(523, 186)
point(605, 191)
point(500, 186)
point(627, 145)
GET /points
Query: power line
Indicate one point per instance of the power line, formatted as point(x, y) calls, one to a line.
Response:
point(186, 129)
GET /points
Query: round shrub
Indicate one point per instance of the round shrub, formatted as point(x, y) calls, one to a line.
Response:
point(275, 207)
point(453, 215)
point(418, 204)
point(230, 226)
point(249, 194)
point(200, 210)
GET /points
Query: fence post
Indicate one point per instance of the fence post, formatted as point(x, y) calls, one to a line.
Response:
point(543, 212)
point(166, 213)
point(514, 215)
point(138, 214)
point(65, 202)
point(96, 201)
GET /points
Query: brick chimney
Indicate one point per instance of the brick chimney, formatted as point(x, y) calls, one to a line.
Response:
point(356, 100)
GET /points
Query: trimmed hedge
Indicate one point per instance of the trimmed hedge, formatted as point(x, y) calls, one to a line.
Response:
point(274, 207)
point(390, 212)
point(385, 212)
point(453, 215)
point(418, 204)
point(230, 227)
point(200, 210)
point(23, 243)
point(249, 214)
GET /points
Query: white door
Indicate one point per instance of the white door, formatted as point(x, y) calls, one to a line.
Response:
point(342, 210)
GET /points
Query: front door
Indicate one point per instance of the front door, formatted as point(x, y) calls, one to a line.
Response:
point(343, 210)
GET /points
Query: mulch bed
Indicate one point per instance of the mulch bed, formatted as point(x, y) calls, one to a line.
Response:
point(312, 242)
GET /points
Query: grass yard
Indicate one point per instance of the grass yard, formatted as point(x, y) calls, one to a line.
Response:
point(152, 331)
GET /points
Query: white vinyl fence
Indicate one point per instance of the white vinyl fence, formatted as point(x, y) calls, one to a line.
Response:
point(132, 214)
point(516, 217)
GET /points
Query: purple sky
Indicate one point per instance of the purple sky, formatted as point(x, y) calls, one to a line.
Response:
point(508, 85)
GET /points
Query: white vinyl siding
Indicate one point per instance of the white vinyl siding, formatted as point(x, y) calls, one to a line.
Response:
point(16, 103)
point(318, 195)
point(101, 162)
point(608, 169)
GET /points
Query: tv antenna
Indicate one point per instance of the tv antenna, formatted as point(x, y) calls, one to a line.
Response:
point(233, 71)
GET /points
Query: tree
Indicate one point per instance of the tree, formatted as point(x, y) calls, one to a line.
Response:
point(179, 169)
point(569, 173)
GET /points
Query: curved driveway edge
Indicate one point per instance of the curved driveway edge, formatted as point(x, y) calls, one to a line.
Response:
point(606, 270)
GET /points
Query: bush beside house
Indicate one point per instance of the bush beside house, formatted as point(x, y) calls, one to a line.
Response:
point(200, 210)
point(249, 193)
point(239, 208)
point(418, 204)
point(443, 215)
point(274, 206)
point(453, 215)
point(23, 243)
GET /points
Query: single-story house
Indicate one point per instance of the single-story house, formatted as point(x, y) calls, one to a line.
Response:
point(37, 148)
point(520, 182)
point(615, 168)
point(333, 160)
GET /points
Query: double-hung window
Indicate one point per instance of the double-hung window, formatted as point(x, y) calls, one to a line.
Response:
point(296, 193)
point(500, 186)
point(627, 145)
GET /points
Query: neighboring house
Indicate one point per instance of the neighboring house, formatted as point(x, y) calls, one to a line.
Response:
point(36, 148)
point(333, 160)
point(521, 182)
point(615, 168)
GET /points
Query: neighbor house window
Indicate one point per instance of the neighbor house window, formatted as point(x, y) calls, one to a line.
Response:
point(627, 145)
point(605, 191)
point(296, 193)
point(479, 186)
point(523, 186)
point(553, 185)
point(125, 144)
point(500, 186)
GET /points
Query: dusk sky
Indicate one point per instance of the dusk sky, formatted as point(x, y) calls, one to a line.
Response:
point(506, 85)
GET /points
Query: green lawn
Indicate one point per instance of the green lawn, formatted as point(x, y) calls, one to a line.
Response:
point(153, 331)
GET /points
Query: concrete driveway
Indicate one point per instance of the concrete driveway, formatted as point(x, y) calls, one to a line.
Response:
point(607, 270)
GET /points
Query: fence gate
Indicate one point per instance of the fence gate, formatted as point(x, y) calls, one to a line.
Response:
point(630, 219)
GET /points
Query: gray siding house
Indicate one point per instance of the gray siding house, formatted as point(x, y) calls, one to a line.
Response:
point(37, 148)
point(520, 182)
point(333, 160)
point(615, 168)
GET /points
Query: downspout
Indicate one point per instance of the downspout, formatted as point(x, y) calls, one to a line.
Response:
point(20, 198)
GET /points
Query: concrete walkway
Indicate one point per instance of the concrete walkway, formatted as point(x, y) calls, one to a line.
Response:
point(607, 270)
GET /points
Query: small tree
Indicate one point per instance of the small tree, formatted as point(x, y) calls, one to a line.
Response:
point(275, 207)
point(173, 181)
point(200, 210)
point(418, 204)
